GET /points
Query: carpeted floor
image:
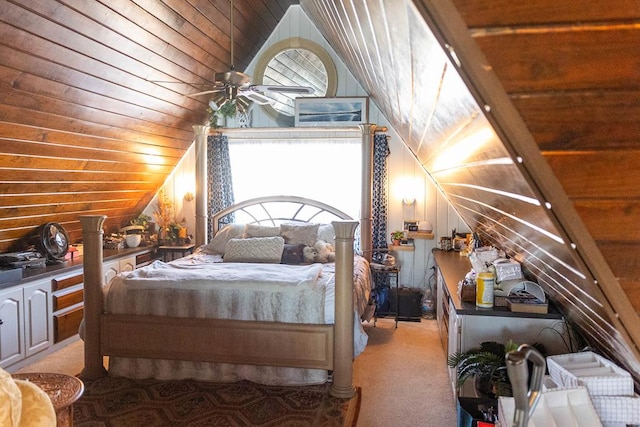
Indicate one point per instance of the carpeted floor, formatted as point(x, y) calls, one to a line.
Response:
point(122, 402)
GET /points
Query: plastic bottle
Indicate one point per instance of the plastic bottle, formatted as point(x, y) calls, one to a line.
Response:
point(484, 289)
point(427, 305)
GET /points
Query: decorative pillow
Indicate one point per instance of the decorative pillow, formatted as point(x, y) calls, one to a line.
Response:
point(219, 242)
point(255, 230)
point(304, 234)
point(327, 233)
point(256, 249)
point(292, 254)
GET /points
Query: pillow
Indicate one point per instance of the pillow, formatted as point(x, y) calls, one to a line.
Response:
point(219, 242)
point(256, 249)
point(292, 254)
point(327, 233)
point(255, 230)
point(294, 234)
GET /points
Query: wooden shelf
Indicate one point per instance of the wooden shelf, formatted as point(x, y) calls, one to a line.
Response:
point(401, 248)
point(420, 235)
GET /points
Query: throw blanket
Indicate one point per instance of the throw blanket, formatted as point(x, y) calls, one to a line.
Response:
point(263, 292)
point(160, 275)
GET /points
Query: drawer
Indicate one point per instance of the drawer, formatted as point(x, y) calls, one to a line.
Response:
point(57, 284)
point(145, 258)
point(68, 299)
point(66, 325)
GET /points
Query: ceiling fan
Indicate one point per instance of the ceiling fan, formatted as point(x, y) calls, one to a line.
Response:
point(234, 86)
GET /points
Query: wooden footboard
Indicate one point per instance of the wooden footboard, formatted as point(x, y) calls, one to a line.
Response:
point(214, 340)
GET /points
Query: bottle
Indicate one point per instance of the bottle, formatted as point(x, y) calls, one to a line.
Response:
point(484, 289)
point(426, 305)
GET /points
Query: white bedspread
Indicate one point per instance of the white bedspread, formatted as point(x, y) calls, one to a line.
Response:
point(203, 288)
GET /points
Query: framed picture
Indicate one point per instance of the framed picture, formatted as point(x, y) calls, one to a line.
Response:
point(340, 111)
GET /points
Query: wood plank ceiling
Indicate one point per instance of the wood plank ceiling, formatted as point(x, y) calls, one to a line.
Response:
point(539, 153)
point(85, 127)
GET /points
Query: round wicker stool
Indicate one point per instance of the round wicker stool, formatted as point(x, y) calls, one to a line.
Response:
point(63, 390)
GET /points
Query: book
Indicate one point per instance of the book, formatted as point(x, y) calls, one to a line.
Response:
point(526, 303)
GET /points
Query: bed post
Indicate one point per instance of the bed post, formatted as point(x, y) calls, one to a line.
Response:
point(342, 385)
point(366, 207)
point(201, 132)
point(92, 264)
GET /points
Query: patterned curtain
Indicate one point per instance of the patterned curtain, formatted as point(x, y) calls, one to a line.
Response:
point(219, 185)
point(380, 198)
point(380, 203)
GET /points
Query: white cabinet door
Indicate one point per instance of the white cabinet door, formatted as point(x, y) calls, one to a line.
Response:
point(37, 308)
point(441, 310)
point(11, 327)
point(455, 337)
point(127, 264)
point(110, 270)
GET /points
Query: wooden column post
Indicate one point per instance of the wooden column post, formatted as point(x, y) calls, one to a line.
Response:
point(93, 307)
point(342, 385)
point(366, 207)
point(201, 131)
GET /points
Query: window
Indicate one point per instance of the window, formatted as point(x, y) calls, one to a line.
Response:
point(323, 169)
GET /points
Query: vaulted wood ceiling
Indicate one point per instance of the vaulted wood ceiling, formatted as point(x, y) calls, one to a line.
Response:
point(87, 125)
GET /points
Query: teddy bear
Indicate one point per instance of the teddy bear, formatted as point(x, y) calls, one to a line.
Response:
point(321, 251)
point(309, 254)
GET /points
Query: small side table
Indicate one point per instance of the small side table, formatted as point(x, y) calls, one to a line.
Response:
point(169, 252)
point(385, 276)
point(63, 390)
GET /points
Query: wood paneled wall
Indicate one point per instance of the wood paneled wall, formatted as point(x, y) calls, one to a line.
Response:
point(93, 115)
point(500, 115)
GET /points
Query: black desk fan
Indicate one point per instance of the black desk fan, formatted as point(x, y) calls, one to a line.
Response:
point(52, 241)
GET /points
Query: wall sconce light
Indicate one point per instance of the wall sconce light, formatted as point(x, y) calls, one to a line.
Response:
point(188, 196)
point(408, 199)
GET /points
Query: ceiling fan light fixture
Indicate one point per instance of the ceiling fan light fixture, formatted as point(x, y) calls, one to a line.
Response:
point(242, 105)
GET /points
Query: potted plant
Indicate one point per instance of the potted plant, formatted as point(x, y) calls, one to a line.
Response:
point(486, 365)
point(217, 118)
point(163, 215)
point(142, 220)
point(396, 236)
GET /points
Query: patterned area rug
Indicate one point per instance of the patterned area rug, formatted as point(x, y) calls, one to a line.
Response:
point(123, 402)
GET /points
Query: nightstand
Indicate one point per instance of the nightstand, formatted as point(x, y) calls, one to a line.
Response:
point(169, 252)
point(386, 277)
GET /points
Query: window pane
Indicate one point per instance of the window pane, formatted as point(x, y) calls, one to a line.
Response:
point(329, 172)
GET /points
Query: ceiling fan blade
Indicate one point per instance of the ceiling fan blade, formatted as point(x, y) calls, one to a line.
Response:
point(205, 92)
point(256, 97)
point(281, 89)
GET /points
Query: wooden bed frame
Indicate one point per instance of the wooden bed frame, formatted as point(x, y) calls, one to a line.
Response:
point(316, 346)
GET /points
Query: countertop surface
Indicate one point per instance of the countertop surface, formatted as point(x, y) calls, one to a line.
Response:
point(454, 267)
point(70, 265)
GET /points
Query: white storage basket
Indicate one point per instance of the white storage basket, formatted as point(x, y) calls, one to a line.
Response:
point(617, 409)
point(600, 376)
